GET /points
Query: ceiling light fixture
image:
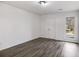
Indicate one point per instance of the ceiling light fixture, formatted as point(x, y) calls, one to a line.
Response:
point(43, 3)
point(60, 10)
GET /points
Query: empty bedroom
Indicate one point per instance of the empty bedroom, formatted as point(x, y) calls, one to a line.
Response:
point(39, 28)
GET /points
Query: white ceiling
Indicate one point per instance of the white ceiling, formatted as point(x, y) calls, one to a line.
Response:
point(52, 6)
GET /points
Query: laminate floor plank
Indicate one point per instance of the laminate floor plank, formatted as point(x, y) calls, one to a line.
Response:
point(42, 48)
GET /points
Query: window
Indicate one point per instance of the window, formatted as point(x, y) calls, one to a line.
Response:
point(70, 25)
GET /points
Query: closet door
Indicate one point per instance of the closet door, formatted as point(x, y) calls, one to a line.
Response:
point(48, 26)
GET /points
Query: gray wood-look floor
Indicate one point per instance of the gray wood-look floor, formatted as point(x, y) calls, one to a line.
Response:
point(42, 48)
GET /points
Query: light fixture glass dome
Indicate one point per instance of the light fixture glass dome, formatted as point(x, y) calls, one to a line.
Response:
point(43, 3)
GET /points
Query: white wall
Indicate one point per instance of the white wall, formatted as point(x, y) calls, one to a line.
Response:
point(56, 25)
point(17, 26)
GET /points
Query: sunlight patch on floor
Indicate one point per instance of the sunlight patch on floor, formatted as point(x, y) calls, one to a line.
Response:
point(70, 50)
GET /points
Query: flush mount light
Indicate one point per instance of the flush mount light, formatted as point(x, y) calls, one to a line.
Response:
point(43, 3)
point(60, 10)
